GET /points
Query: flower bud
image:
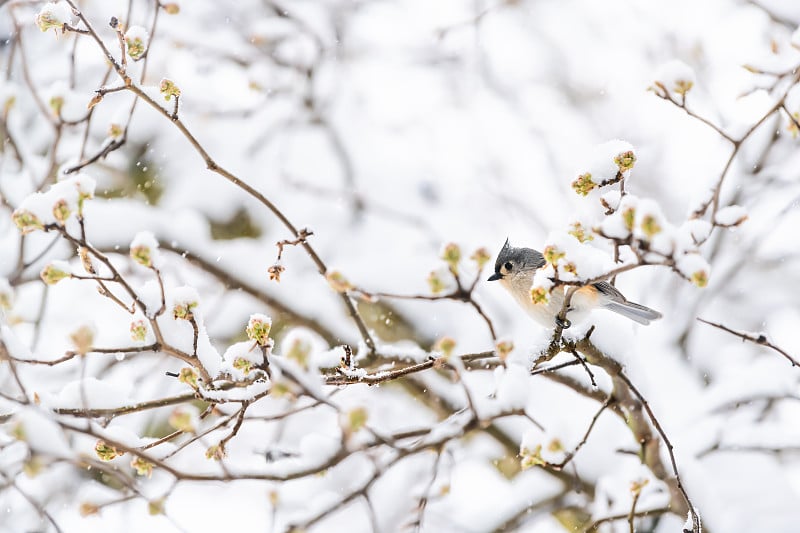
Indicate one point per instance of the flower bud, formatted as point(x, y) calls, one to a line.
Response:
point(216, 452)
point(155, 507)
point(6, 294)
point(88, 509)
point(629, 217)
point(481, 257)
point(552, 254)
point(436, 283)
point(638, 485)
point(338, 282)
point(188, 375)
point(184, 310)
point(580, 232)
point(61, 211)
point(503, 349)
point(356, 419)
point(451, 254)
point(243, 365)
point(258, 329)
point(142, 467)
point(531, 458)
point(26, 221)
point(540, 295)
point(115, 130)
point(445, 345)
point(299, 351)
point(136, 41)
point(625, 160)
point(106, 452)
point(54, 15)
point(144, 249)
point(583, 184)
point(184, 418)
point(55, 272)
point(169, 89)
point(650, 226)
point(138, 330)
point(82, 338)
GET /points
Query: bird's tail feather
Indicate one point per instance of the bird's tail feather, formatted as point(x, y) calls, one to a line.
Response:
point(637, 313)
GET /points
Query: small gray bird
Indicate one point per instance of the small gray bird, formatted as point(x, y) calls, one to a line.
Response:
point(515, 268)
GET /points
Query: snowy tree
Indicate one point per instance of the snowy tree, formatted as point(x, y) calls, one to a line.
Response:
point(245, 248)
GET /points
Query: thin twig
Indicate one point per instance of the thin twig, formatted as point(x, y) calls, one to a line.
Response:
point(757, 339)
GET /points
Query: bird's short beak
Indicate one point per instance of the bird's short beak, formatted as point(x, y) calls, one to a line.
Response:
point(495, 276)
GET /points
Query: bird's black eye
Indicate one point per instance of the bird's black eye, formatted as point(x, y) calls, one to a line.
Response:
point(508, 266)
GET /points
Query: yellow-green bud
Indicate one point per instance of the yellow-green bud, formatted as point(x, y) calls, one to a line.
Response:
point(258, 328)
point(435, 283)
point(650, 226)
point(155, 507)
point(625, 160)
point(33, 467)
point(183, 310)
point(338, 282)
point(356, 419)
point(445, 345)
point(26, 221)
point(52, 274)
point(82, 338)
point(189, 376)
point(452, 255)
point(106, 452)
point(637, 486)
point(56, 104)
point(580, 232)
point(552, 254)
point(793, 125)
point(136, 46)
point(9, 103)
point(503, 349)
point(299, 351)
point(142, 467)
point(216, 452)
point(115, 131)
point(280, 389)
point(47, 20)
point(481, 257)
point(699, 278)
point(18, 431)
point(531, 458)
point(142, 255)
point(82, 197)
point(540, 295)
point(584, 184)
point(61, 211)
point(683, 86)
point(242, 364)
point(628, 218)
point(6, 300)
point(182, 420)
point(169, 89)
point(138, 330)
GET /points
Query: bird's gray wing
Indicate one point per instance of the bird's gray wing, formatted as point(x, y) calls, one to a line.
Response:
point(609, 291)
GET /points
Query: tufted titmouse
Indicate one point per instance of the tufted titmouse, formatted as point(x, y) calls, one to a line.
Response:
point(515, 268)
